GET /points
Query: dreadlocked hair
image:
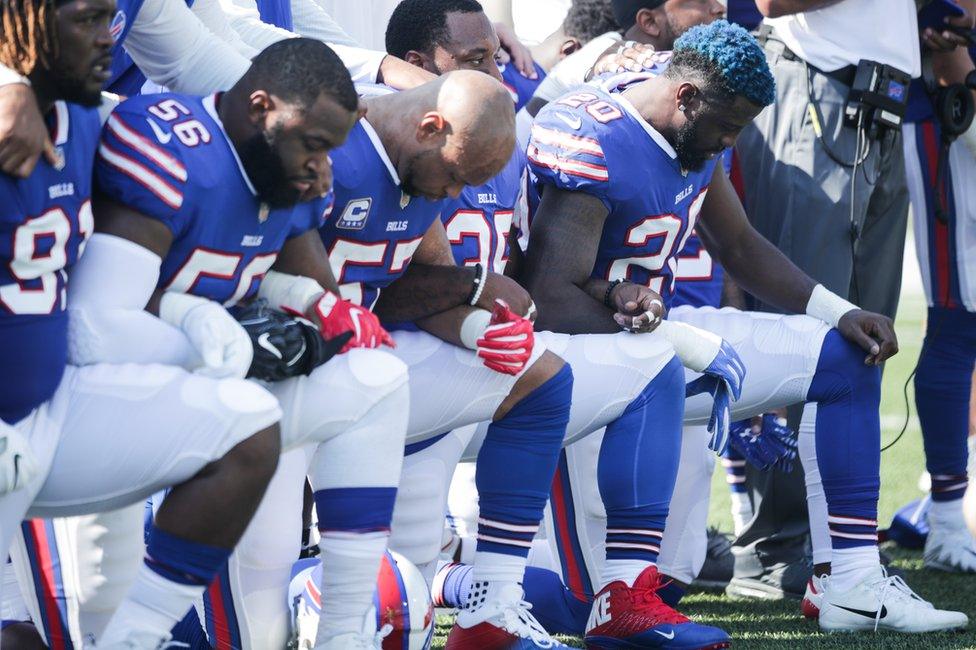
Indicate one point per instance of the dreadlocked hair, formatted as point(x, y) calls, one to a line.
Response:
point(28, 34)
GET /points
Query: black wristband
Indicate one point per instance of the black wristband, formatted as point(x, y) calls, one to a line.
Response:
point(478, 277)
point(610, 288)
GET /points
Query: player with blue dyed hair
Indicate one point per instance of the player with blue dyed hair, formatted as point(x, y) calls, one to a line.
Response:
point(625, 170)
point(728, 58)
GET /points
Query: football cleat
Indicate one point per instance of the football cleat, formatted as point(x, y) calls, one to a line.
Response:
point(950, 548)
point(636, 617)
point(883, 602)
point(813, 598)
point(503, 622)
point(716, 571)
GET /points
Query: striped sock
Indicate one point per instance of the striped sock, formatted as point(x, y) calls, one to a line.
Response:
point(852, 532)
point(504, 537)
point(949, 487)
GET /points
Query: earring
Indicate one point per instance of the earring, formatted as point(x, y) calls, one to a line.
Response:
point(682, 108)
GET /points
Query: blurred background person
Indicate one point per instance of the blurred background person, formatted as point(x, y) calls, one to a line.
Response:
point(831, 195)
point(940, 155)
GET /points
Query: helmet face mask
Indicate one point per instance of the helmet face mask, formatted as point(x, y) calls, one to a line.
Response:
point(402, 601)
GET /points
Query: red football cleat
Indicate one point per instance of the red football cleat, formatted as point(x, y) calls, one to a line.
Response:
point(636, 617)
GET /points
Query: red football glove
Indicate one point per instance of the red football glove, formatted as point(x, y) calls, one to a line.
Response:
point(506, 344)
point(337, 316)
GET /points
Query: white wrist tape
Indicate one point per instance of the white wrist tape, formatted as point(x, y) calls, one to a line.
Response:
point(293, 291)
point(173, 306)
point(473, 327)
point(828, 306)
point(695, 348)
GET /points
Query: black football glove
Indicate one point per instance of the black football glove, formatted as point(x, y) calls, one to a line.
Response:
point(285, 346)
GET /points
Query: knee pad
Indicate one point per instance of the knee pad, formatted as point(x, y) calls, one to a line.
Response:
point(245, 406)
point(841, 370)
point(337, 395)
point(378, 371)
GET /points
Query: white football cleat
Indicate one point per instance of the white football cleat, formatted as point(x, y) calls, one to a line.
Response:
point(883, 602)
point(950, 547)
point(17, 464)
point(813, 597)
point(503, 620)
point(367, 639)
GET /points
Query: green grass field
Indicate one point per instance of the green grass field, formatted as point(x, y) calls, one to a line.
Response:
point(760, 624)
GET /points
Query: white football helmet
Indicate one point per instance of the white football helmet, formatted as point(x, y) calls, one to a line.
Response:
point(402, 601)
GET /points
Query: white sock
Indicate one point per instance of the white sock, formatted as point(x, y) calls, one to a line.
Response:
point(491, 572)
point(741, 511)
point(625, 571)
point(849, 565)
point(498, 567)
point(946, 514)
point(350, 565)
point(152, 607)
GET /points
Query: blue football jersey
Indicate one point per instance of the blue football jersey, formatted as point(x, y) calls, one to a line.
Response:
point(595, 141)
point(700, 277)
point(478, 221)
point(46, 220)
point(168, 157)
point(521, 87)
point(375, 227)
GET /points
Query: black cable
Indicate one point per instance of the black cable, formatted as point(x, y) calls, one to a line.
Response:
point(908, 407)
point(859, 157)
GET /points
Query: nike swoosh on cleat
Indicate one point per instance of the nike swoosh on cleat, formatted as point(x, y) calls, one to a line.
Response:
point(668, 636)
point(265, 342)
point(864, 612)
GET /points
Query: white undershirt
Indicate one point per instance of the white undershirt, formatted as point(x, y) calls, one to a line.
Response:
point(535, 20)
point(364, 20)
point(885, 31)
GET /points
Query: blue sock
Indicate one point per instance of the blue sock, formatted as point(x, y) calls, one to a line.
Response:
point(182, 561)
point(943, 386)
point(671, 593)
point(848, 394)
point(355, 510)
point(190, 632)
point(516, 465)
point(553, 605)
point(638, 466)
